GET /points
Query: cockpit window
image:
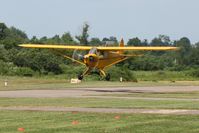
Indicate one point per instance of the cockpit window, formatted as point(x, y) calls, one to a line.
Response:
point(93, 51)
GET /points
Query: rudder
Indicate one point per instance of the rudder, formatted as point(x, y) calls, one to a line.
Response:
point(121, 45)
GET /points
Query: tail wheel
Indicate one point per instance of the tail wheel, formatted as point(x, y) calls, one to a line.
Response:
point(108, 77)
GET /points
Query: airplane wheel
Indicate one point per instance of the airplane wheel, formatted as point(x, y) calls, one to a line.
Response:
point(80, 76)
point(108, 77)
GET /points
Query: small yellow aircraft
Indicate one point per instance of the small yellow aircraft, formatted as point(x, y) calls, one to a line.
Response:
point(98, 57)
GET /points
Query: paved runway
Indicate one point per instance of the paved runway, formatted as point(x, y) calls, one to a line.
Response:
point(97, 93)
point(79, 92)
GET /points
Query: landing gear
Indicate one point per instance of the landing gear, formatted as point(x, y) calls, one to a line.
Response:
point(108, 77)
point(101, 72)
point(80, 76)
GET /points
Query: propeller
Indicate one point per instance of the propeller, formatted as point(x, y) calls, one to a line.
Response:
point(78, 55)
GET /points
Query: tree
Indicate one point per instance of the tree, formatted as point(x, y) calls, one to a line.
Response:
point(105, 39)
point(157, 42)
point(38, 60)
point(110, 41)
point(18, 33)
point(34, 40)
point(55, 40)
point(43, 39)
point(83, 38)
point(67, 38)
point(146, 63)
point(12, 37)
point(95, 42)
point(3, 53)
point(162, 40)
point(184, 52)
point(194, 55)
point(3, 29)
point(145, 42)
point(165, 39)
point(113, 39)
point(134, 42)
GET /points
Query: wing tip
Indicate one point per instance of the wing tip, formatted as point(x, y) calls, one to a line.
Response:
point(22, 45)
point(175, 48)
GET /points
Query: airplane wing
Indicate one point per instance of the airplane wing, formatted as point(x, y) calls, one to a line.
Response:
point(99, 48)
point(137, 48)
point(55, 46)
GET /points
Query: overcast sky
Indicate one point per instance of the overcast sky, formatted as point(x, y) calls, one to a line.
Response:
point(120, 18)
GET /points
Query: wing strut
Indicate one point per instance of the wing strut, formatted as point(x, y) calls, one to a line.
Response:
point(68, 57)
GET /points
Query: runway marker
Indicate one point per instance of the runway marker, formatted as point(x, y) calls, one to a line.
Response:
point(117, 117)
point(20, 129)
point(74, 112)
point(75, 122)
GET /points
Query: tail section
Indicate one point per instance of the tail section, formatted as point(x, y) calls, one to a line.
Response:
point(121, 45)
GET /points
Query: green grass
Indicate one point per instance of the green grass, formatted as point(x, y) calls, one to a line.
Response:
point(101, 103)
point(164, 76)
point(60, 122)
point(24, 83)
point(185, 95)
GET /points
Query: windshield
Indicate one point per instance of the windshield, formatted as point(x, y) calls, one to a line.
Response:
point(93, 51)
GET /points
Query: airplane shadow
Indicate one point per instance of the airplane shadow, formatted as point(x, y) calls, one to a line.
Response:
point(123, 91)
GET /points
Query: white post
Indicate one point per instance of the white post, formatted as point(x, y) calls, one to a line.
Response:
point(75, 81)
point(121, 79)
point(6, 83)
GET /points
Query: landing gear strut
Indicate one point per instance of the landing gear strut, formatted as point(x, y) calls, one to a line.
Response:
point(105, 76)
point(81, 75)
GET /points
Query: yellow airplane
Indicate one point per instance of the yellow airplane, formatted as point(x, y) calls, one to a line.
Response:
point(98, 57)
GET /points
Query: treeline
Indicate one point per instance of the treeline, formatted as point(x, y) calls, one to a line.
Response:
point(19, 61)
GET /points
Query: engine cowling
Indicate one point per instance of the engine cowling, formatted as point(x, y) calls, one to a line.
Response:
point(91, 60)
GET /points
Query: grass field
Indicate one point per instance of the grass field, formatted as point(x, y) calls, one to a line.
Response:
point(164, 76)
point(76, 122)
point(101, 103)
point(62, 122)
point(185, 95)
point(27, 83)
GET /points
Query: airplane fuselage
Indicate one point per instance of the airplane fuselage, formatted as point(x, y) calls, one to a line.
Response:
point(102, 60)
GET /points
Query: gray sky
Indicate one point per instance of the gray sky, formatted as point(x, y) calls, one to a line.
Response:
point(120, 18)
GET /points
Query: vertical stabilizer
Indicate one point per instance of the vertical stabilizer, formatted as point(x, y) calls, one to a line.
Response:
point(121, 45)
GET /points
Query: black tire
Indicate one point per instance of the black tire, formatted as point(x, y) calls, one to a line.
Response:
point(80, 77)
point(108, 77)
